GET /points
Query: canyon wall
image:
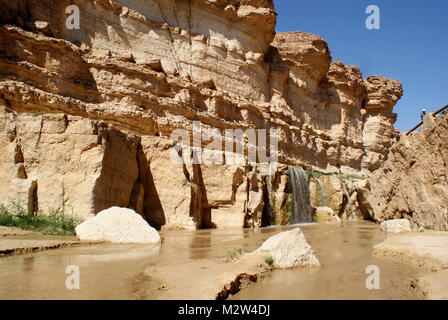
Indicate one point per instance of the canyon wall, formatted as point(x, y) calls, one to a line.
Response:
point(92, 110)
point(413, 182)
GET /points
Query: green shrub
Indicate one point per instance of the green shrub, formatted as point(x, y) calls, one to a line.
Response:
point(317, 174)
point(269, 261)
point(352, 176)
point(232, 255)
point(54, 222)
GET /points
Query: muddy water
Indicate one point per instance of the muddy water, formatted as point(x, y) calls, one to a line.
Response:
point(344, 254)
point(112, 271)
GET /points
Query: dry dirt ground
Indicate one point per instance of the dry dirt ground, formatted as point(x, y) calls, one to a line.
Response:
point(428, 250)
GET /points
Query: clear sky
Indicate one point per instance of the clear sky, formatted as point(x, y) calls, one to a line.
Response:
point(411, 46)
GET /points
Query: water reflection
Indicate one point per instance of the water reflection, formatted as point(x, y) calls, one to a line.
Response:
point(344, 253)
point(111, 271)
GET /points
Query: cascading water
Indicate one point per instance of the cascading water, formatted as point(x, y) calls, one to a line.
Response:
point(322, 195)
point(269, 215)
point(301, 205)
point(348, 202)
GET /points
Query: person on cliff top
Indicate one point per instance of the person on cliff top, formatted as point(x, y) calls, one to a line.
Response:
point(423, 114)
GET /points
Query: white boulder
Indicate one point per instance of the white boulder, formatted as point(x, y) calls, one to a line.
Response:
point(396, 226)
point(118, 225)
point(325, 215)
point(289, 250)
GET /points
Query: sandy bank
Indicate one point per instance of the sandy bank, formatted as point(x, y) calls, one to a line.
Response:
point(427, 250)
point(11, 231)
point(17, 246)
point(207, 279)
point(18, 241)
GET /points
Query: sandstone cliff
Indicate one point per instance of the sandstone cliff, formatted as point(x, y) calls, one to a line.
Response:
point(413, 182)
point(101, 102)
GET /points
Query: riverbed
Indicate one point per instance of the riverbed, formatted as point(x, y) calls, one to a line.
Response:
point(114, 271)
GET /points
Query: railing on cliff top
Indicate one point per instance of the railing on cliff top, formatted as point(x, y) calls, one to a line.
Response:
point(421, 123)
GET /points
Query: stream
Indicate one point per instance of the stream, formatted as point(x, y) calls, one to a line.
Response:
point(112, 271)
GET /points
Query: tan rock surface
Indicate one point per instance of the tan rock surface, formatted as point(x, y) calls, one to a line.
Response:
point(100, 103)
point(379, 133)
point(193, 80)
point(289, 250)
point(413, 183)
point(53, 161)
point(118, 225)
point(326, 215)
point(396, 226)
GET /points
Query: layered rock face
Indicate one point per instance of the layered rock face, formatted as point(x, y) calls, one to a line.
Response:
point(52, 161)
point(331, 117)
point(413, 183)
point(379, 134)
point(93, 109)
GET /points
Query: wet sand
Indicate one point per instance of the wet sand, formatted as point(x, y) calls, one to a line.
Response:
point(18, 241)
point(18, 246)
point(12, 231)
point(429, 252)
point(115, 271)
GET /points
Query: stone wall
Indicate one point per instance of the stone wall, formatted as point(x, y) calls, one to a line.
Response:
point(52, 161)
point(413, 182)
point(101, 103)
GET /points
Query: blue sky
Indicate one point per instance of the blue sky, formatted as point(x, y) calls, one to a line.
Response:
point(411, 46)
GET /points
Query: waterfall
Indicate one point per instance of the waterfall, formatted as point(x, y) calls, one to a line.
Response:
point(322, 195)
point(269, 213)
point(301, 205)
point(348, 203)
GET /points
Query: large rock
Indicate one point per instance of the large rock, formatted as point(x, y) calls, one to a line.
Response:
point(396, 226)
point(326, 215)
point(118, 225)
point(289, 250)
point(413, 183)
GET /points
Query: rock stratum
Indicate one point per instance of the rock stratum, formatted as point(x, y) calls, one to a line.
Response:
point(413, 182)
point(86, 115)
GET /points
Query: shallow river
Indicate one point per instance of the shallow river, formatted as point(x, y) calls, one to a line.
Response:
point(111, 271)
